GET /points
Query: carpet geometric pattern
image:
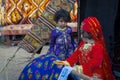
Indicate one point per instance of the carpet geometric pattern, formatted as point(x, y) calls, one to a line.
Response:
point(23, 11)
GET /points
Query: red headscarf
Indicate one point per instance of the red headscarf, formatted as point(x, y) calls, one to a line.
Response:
point(92, 25)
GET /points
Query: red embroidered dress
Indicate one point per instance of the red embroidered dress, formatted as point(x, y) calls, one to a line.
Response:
point(90, 60)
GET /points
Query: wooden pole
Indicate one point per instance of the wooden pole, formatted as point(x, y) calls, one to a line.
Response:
point(78, 20)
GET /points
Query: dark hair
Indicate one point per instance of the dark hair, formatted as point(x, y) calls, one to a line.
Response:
point(65, 15)
point(86, 34)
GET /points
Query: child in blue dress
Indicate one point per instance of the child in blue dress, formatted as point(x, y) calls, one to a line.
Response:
point(62, 43)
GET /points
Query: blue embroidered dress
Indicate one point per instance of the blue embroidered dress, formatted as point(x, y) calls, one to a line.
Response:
point(62, 43)
point(43, 68)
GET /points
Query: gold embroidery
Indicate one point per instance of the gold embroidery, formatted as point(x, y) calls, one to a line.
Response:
point(85, 57)
point(86, 48)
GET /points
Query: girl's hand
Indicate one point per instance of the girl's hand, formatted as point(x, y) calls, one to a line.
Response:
point(58, 62)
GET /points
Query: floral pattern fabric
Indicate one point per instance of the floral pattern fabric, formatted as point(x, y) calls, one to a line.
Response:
point(41, 68)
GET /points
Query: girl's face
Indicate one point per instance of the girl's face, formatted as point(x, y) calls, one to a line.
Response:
point(85, 36)
point(84, 39)
point(61, 23)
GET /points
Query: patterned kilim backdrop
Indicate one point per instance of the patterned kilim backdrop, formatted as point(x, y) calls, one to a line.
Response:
point(40, 32)
point(26, 11)
point(23, 11)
